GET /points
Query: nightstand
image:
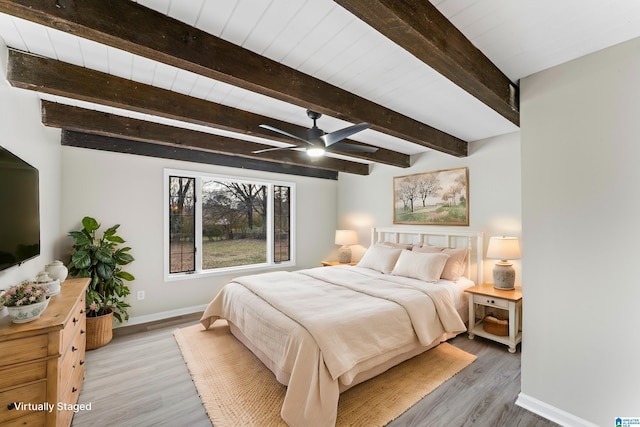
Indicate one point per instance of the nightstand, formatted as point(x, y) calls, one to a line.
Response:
point(331, 263)
point(483, 296)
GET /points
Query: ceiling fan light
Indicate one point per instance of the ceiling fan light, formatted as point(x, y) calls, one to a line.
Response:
point(315, 152)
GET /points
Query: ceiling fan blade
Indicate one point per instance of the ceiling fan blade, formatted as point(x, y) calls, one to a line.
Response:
point(281, 132)
point(345, 146)
point(339, 135)
point(273, 149)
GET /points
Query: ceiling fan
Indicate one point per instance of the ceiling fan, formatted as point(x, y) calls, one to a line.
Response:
point(318, 142)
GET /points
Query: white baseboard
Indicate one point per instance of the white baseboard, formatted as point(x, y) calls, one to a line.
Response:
point(550, 412)
point(137, 320)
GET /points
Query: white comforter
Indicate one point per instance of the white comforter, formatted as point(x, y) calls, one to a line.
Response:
point(323, 326)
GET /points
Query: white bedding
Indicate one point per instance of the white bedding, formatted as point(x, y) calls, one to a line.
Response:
point(319, 329)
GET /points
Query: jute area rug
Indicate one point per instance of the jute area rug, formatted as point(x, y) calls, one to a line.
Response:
point(238, 390)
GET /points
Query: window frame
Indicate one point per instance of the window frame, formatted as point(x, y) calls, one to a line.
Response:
point(199, 272)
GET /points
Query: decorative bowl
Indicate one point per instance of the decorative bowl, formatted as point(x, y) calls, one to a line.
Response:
point(27, 313)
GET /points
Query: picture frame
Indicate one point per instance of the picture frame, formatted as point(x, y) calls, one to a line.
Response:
point(432, 198)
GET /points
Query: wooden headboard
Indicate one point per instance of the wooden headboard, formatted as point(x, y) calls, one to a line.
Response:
point(438, 236)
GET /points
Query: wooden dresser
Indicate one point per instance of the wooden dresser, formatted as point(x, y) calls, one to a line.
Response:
point(42, 362)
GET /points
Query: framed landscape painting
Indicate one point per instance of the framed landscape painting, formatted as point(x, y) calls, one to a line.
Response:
point(432, 198)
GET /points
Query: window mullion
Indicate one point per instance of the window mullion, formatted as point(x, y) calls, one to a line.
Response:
point(198, 224)
point(270, 224)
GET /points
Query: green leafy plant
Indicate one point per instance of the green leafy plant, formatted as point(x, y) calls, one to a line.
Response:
point(101, 259)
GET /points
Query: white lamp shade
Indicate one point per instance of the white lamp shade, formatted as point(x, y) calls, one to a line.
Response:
point(504, 248)
point(346, 237)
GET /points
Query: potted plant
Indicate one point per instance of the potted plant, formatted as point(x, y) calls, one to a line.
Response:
point(101, 257)
point(25, 302)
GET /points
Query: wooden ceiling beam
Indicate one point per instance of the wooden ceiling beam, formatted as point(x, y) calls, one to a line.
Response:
point(418, 27)
point(127, 25)
point(111, 125)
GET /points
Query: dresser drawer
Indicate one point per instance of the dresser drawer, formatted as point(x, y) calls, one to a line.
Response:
point(23, 349)
point(34, 393)
point(30, 419)
point(72, 359)
point(22, 374)
point(70, 396)
point(74, 324)
point(72, 391)
point(491, 301)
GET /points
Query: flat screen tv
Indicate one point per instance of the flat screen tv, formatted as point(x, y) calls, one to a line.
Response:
point(19, 210)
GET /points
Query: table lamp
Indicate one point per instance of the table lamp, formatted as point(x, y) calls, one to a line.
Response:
point(345, 238)
point(504, 249)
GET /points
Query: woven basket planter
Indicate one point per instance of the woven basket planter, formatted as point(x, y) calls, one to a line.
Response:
point(99, 330)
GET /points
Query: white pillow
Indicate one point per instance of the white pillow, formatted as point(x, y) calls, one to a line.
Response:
point(456, 264)
point(380, 258)
point(420, 265)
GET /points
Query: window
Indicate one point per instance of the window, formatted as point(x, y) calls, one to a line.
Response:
point(217, 223)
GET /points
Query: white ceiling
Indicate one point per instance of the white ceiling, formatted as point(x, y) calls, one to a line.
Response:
point(320, 38)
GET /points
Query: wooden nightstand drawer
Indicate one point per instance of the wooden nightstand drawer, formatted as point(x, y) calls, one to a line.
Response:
point(491, 301)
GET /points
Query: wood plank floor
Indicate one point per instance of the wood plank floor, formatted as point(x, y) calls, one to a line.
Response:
point(140, 379)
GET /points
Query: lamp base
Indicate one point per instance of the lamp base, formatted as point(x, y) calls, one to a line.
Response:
point(504, 276)
point(344, 255)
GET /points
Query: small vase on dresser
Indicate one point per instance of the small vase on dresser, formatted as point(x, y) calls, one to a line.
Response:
point(57, 270)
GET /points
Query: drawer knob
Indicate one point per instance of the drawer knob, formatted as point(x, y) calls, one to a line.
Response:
point(73, 348)
point(75, 320)
point(82, 331)
point(11, 406)
point(81, 362)
point(73, 389)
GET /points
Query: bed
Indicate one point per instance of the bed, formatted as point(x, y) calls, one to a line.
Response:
point(323, 330)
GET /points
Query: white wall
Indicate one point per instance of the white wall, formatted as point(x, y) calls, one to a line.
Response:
point(494, 192)
point(126, 189)
point(23, 134)
point(580, 126)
